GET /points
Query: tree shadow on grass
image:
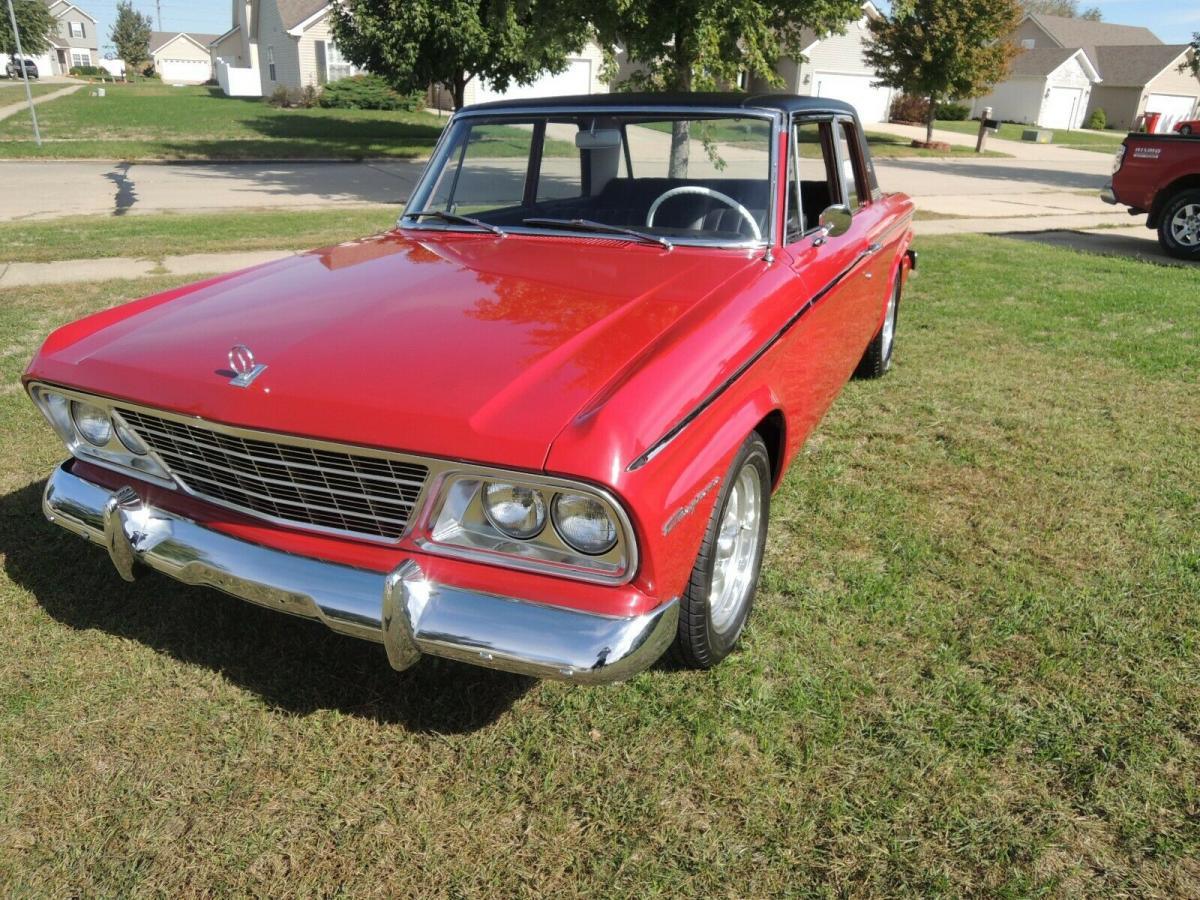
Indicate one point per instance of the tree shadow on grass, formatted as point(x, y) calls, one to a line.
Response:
point(295, 665)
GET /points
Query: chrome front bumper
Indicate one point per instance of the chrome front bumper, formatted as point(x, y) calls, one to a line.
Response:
point(409, 614)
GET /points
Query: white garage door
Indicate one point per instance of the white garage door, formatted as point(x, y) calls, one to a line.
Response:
point(870, 102)
point(185, 71)
point(1173, 107)
point(576, 78)
point(1062, 108)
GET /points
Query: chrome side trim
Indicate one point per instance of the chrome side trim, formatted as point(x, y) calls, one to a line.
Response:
point(404, 610)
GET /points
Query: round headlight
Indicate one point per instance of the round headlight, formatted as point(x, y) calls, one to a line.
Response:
point(515, 510)
point(93, 422)
point(132, 442)
point(59, 409)
point(584, 523)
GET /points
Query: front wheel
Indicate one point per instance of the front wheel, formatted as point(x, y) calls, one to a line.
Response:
point(714, 608)
point(1179, 226)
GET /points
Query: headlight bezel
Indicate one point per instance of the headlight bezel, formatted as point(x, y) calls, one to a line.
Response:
point(113, 453)
point(449, 526)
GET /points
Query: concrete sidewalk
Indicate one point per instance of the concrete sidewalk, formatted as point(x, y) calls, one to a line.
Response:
point(11, 109)
point(74, 271)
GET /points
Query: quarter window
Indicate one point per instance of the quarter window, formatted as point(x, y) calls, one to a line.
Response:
point(856, 187)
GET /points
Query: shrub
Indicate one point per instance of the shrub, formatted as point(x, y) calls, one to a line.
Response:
point(1097, 121)
point(906, 108)
point(953, 112)
point(368, 92)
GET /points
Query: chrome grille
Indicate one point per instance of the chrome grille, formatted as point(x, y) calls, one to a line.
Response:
point(366, 495)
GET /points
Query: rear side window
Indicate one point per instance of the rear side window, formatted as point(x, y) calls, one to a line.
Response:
point(852, 170)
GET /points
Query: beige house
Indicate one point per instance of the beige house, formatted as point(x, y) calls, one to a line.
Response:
point(834, 66)
point(581, 76)
point(75, 40)
point(1136, 74)
point(181, 57)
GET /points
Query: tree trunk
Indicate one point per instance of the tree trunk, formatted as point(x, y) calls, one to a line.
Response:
point(460, 89)
point(929, 120)
point(681, 140)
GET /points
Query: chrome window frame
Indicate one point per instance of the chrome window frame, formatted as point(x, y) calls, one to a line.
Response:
point(777, 118)
point(426, 506)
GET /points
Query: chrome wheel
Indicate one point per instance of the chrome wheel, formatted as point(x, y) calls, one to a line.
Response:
point(734, 569)
point(889, 326)
point(1185, 225)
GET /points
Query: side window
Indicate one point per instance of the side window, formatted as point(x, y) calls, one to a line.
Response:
point(852, 175)
point(813, 182)
point(486, 171)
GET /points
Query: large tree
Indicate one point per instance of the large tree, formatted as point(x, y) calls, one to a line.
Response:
point(1068, 8)
point(130, 34)
point(696, 45)
point(414, 43)
point(943, 49)
point(33, 21)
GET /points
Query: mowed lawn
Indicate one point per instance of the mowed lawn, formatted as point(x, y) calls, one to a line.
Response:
point(154, 121)
point(1100, 141)
point(973, 669)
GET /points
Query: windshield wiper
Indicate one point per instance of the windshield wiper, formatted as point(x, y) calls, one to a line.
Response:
point(456, 219)
point(590, 225)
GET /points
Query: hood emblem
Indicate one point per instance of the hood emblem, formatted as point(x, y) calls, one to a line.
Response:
point(245, 370)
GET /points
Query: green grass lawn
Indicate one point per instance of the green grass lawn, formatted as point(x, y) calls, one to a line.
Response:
point(1101, 142)
point(973, 668)
point(151, 120)
point(156, 235)
point(13, 91)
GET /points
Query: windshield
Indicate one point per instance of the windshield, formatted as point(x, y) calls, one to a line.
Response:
point(698, 179)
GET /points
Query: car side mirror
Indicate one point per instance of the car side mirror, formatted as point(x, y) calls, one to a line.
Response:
point(835, 220)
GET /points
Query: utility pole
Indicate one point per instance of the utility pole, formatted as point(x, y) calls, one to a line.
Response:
point(157, 9)
point(12, 17)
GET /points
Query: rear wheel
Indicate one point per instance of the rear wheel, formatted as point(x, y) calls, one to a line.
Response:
point(1185, 130)
point(717, 602)
point(878, 358)
point(1179, 226)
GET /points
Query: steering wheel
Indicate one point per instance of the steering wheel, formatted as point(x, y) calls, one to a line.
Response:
point(705, 192)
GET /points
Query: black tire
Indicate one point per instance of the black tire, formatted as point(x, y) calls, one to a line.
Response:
point(699, 643)
point(1186, 130)
point(1166, 235)
point(878, 357)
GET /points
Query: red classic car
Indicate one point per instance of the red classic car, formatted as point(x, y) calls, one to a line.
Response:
point(1188, 127)
point(537, 426)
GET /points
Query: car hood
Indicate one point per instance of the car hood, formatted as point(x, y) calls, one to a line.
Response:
point(449, 344)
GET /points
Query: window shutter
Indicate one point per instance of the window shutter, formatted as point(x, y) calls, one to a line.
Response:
point(322, 65)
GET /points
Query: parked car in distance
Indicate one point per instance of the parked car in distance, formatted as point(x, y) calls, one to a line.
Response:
point(13, 68)
point(1159, 174)
point(1188, 127)
point(538, 425)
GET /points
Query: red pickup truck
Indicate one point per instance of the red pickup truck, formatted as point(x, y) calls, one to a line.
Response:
point(1159, 174)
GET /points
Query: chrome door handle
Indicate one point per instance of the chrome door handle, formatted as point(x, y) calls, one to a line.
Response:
point(874, 248)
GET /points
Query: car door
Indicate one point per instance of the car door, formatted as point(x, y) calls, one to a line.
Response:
point(825, 346)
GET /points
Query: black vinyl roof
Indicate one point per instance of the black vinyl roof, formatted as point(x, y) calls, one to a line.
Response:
point(788, 103)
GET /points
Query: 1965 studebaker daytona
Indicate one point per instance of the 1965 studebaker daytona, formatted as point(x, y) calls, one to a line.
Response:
point(535, 427)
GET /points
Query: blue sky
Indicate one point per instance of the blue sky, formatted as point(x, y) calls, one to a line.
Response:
point(1172, 20)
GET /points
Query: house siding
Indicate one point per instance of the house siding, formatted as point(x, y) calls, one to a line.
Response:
point(1015, 100)
point(230, 49)
point(1031, 31)
point(274, 37)
point(1172, 81)
point(307, 49)
point(841, 53)
point(1120, 104)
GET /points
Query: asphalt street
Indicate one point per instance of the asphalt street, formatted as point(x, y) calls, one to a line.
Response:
point(39, 190)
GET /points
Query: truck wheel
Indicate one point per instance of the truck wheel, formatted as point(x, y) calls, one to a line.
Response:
point(714, 607)
point(878, 358)
point(1179, 225)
